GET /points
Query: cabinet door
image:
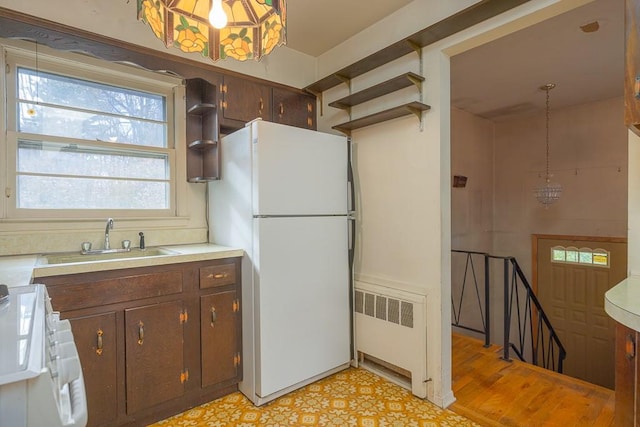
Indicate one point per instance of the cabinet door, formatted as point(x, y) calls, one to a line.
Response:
point(219, 329)
point(245, 100)
point(632, 66)
point(625, 375)
point(95, 338)
point(154, 354)
point(294, 109)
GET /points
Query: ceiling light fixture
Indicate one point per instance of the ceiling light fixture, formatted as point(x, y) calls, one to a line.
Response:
point(218, 29)
point(550, 192)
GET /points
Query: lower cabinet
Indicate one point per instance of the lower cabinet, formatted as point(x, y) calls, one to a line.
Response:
point(153, 341)
point(95, 337)
point(219, 337)
point(627, 368)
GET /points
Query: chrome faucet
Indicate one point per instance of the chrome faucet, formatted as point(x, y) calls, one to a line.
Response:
point(109, 226)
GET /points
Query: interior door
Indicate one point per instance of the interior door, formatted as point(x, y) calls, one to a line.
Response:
point(572, 295)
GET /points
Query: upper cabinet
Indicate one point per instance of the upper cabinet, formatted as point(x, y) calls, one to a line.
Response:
point(632, 66)
point(243, 100)
point(294, 109)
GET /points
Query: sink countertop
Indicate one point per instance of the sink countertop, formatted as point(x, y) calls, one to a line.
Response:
point(622, 302)
point(24, 269)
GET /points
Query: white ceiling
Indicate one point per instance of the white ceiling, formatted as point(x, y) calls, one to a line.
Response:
point(501, 78)
point(314, 27)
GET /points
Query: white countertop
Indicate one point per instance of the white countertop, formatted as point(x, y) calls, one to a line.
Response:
point(25, 269)
point(622, 302)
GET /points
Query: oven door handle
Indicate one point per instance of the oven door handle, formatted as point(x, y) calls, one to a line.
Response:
point(78, 396)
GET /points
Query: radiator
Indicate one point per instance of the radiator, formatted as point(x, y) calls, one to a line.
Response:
point(390, 326)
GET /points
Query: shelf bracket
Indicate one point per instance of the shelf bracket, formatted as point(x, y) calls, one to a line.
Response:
point(416, 47)
point(416, 82)
point(418, 113)
point(344, 79)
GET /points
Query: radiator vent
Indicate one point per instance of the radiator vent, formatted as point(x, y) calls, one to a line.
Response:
point(384, 308)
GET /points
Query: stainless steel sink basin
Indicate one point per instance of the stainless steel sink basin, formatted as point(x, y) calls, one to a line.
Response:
point(75, 257)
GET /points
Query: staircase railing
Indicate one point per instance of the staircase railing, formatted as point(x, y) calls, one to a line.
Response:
point(527, 329)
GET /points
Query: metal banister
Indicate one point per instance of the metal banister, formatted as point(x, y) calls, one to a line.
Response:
point(535, 339)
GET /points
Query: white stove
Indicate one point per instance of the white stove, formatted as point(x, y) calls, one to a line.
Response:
point(41, 381)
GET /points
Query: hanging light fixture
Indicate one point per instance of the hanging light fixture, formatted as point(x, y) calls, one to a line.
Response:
point(218, 29)
point(550, 192)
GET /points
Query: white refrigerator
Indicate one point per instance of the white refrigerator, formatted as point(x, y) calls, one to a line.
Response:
point(282, 197)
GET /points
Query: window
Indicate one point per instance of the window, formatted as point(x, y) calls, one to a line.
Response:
point(582, 256)
point(87, 138)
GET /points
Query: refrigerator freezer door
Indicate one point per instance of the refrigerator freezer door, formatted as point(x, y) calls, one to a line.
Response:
point(298, 171)
point(301, 286)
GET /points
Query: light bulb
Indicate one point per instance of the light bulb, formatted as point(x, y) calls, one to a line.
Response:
point(217, 17)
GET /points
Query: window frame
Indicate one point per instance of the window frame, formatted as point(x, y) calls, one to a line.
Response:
point(29, 55)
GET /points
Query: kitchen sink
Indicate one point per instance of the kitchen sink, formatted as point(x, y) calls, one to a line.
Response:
point(75, 257)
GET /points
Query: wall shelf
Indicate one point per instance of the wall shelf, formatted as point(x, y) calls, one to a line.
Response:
point(384, 88)
point(201, 108)
point(203, 157)
point(415, 108)
point(203, 144)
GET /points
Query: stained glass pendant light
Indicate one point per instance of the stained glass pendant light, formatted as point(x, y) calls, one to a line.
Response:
point(550, 192)
point(253, 27)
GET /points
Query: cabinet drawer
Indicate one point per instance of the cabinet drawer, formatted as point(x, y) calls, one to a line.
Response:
point(65, 297)
point(217, 275)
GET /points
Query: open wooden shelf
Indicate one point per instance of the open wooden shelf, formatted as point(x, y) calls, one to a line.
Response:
point(464, 19)
point(203, 144)
point(393, 113)
point(384, 88)
point(200, 109)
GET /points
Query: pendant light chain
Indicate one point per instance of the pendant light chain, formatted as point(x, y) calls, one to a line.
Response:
point(548, 88)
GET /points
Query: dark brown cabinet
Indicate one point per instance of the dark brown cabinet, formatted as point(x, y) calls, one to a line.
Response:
point(244, 100)
point(219, 337)
point(294, 109)
point(154, 354)
point(97, 350)
point(627, 367)
point(632, 65)
point(153, 341)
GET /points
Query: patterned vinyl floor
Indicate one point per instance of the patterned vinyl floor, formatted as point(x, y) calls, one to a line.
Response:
point(353, 397)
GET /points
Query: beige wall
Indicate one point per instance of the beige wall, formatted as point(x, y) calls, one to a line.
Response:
point(588, 156)
point(472, 154)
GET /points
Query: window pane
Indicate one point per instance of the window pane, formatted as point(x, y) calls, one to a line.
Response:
point(572, 256)
point(558, 254)
point(45, 120)
point(73, 159)
point(586, 257)
point(601, 258)
point(75, 93)
point(36, 192)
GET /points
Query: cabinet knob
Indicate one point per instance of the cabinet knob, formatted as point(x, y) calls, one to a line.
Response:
point(99, 347)
point(217, 276)
point(281, 109)
point(260, 106)
point(214, 316)
point(140, 333)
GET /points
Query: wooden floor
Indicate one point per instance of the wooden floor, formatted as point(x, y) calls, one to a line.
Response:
point(493, 392)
